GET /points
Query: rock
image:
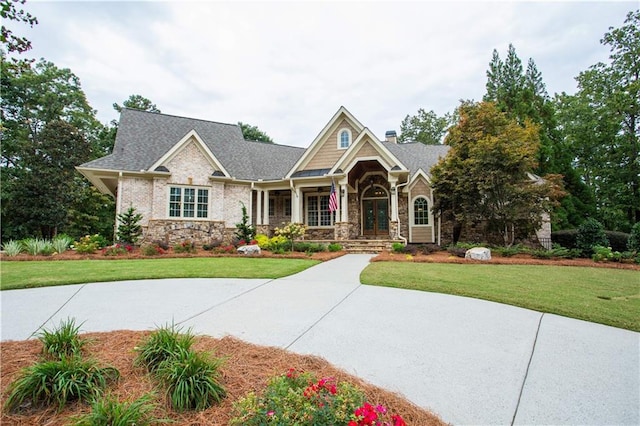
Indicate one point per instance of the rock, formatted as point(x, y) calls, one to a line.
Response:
point(478, 253)
point(249, 250)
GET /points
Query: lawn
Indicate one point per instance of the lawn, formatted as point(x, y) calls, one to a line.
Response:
point(26, 274)
point(606, 296)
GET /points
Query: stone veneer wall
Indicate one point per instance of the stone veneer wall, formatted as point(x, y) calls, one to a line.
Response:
point(173, 232)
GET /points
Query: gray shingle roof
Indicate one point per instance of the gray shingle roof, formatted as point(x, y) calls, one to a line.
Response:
point(144, 137)
point(416, 155)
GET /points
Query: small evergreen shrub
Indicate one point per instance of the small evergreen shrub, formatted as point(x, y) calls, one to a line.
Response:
point(192, 380)
point(397, 247)
point(12, 248)
point(605, 254)
point(212, 245)
point(457, 251)
point(62, 341)
point(633, 244)
point(244, 230)
point(590, 234)
point(617, 240)
point(508, 251)
point(58, 382)
point(108, 411)
point(333, 247)
point(307, 247)
point(566, 238)
point(429, 248)
point(165, 343)
point(129, 229)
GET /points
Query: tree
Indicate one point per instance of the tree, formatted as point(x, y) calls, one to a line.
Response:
point(252, 133)
point(602, 127)
point(244, 230)
point(522, 95)
point(424, 127)
point(137, 102)
point(8, 11)
point(129, 229)
point(48, 129)
point(485, 178)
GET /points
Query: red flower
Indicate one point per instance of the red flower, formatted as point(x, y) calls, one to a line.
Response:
point(398, 421)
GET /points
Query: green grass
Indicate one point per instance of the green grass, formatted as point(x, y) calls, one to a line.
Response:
point(602, 295)
point(28, 274)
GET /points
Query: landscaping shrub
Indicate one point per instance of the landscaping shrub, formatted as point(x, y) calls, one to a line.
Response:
point(457, 251)
point(62, 341)
point(617, 240)
point(61, 243)
point(58, 382)
point(633, 244)
point(185, 247)
point(129, 229)
point(12, 248)
point(566, 238)
point(228, 249)
point(298, 398)
point(108, 411)
point(333, 247)
point(212, 245)
point(605, 254)
point(590, 234)
point(291, 231)
point(244, 230)
point(397, 247)
point(164, 343)
point(89, 244)
point(192, 380)
point(151, 250)
point(508, 251)
point(306, 247)
point(34, 246)
point(429, 248)
point(117, 250)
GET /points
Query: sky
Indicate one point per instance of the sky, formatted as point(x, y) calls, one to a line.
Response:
point(287, 67)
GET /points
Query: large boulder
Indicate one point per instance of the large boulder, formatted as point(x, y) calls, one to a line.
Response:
point(478, 253)
point(249, 250)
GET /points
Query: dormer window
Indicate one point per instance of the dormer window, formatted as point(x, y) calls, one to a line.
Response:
point(344, 138)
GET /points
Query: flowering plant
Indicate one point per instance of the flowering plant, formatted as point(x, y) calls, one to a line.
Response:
point(291, 231)
point(117, 249)
point(368, 415)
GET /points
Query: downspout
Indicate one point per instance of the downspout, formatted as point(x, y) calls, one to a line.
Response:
point(118, 206)
point(398, 210)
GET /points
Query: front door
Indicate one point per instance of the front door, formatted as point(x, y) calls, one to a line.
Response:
point(375, 213)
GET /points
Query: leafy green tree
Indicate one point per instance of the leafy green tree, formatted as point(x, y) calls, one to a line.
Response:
point(485, 178)
point(129, 229)
point(252, 133)
point(9, 12)
point(48, 129)
point(590, 234)
point(602, 127)
point(137, 102)
point(522, 95)
point(424, 127)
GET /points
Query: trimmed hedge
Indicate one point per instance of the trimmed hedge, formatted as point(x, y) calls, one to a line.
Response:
point(567, 239)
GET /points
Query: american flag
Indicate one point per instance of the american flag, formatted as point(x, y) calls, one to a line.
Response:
point(333, 199)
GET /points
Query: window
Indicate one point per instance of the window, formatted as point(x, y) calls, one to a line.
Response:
point(286, 204)
point(344, 138)
point(420, 211)
point(188, 202)
point(272, 206)
point(318, 213)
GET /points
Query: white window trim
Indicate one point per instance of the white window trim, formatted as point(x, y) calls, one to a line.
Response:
point(286, 201)
point(195, 212)
point(412, 219)
point(272, 207)
point(306, 210)
point(344, 129)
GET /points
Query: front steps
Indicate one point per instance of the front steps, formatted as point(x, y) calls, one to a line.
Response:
point(362, 245)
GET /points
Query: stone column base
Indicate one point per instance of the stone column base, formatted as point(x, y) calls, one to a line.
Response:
point(341, 231)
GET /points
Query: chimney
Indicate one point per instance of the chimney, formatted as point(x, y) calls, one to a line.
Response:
point(390, 136)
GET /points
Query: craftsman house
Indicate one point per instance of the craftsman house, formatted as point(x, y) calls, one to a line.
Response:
point(189, 179)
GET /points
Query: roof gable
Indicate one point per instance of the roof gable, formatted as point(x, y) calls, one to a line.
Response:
point(325, 144)
point(367, 147)
point(189, 138)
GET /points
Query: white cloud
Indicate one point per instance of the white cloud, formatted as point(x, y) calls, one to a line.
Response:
point(287, 67)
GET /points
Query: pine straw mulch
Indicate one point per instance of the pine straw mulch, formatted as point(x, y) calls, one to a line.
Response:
point(519, 259)
point(247, 368)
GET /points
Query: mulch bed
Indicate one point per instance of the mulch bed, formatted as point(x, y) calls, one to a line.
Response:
point(519, 259)
point(248, 368)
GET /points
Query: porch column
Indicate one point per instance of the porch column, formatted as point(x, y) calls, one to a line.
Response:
point(295, 205)
point(394, 203)
point(344, 203)
point(265, 221)
point(259, 207)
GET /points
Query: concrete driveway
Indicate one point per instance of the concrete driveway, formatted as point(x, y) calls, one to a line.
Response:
point(468, 360)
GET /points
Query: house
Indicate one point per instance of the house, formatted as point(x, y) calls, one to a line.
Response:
point(189, 179)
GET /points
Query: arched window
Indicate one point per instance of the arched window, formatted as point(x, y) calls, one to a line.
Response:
point(344, 139)
point(420, 211)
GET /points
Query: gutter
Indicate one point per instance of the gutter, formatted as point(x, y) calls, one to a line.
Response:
point(398, 210)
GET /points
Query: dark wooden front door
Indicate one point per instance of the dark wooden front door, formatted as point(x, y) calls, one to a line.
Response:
point(375, 217)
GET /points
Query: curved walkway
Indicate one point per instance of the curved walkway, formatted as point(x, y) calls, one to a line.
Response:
point(470, 361)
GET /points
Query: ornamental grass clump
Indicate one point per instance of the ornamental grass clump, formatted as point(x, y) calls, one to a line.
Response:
point(61, 243)
point(12, 248)
point(192, 380)
point(165, 343)
point(108, 411)
point(62, 341)
point(59, 382)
